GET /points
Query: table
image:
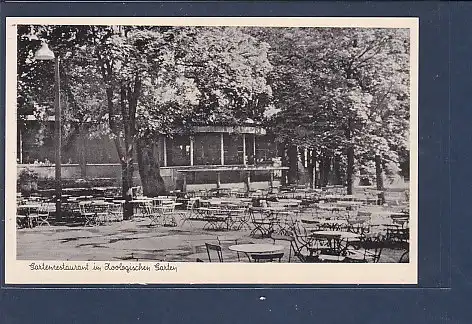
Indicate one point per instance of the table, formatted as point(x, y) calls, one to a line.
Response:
point(141, 200)
point(288, 202)
point(337, 234)
point(330, 208)
point(338, 197)
point(250, 249)
point(272, 209)
point(400, 218)
point(307, 220)
point(349, 203)
point(216, 219)
point(389, 213)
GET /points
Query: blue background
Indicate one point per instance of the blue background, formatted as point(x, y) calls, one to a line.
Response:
point(445, 178)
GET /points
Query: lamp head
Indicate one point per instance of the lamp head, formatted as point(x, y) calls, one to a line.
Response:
point(44, 53)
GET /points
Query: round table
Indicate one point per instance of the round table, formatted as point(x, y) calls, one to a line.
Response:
point(337, 234)
point(349, 203)
point(330, 208)
point(273, 209)
point(333, 221)
point(256, 248)
point(307, 220)
point(138, 201)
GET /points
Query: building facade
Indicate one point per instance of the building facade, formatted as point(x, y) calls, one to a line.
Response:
point(203, 157)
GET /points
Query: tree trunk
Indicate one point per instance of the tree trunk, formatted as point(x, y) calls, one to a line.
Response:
point(82, 152)
point(337, 171)
point(127, 170)
point(322, 176)
point(283, 154)
point(310, 168)
point(123, 128)
point(325, 169)
point(350, 169)
point(379, 179)
point(293, 164)
point(315, 172)
point(149, 169)
point(350, 158)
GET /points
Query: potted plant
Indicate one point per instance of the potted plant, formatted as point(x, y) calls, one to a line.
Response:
point(28, 181)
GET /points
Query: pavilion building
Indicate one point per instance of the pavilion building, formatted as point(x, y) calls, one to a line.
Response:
point(204, 157)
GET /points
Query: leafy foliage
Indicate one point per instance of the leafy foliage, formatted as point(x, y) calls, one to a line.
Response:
point(338, 88)
point(332, 90)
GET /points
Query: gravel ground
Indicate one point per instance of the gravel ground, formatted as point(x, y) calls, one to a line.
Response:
point(136, 240)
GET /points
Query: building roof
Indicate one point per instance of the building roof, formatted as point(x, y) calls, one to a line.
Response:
point(245, 128)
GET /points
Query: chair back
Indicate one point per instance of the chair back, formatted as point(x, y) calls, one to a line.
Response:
point(301, 241)
point(191, 203)
point(167, 206)
point(373, 247)
point(405, 258)
point(116, 210)
point(257, 214)
point(47, 208)
point(364, 215)
point(85, 207)
point(214, 247)
point(99, 207)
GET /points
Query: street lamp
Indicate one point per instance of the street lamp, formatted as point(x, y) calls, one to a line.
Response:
point(44, 53)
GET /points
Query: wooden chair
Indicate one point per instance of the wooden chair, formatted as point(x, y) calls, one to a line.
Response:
point(301, 243)
point(287, 238)
point(405, 258)
point(216, 248)
point(87, 213)
point(369, 249)
point(154, 214)
point(116, 212)
point(261, 222)
point(167, 210)
point(190, 211)
point(398, 236)
point(357, 226)
point(44, 213)
point(100, 209)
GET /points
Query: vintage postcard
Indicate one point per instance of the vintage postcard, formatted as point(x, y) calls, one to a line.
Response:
point(211, 150)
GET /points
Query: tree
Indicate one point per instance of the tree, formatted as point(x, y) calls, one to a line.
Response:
point(143, 81)
point(215, 75)
point(333, 85)
point(81, 91)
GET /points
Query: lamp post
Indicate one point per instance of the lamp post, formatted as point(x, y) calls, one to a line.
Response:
point(44, 53)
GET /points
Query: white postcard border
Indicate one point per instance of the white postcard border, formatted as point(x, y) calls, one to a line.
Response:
point(20, 272)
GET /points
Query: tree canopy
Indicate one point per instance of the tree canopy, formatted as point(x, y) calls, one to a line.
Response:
point(337, 91)
point(341, 89)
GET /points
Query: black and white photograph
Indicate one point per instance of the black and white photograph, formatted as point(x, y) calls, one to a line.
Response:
point(161, 144)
